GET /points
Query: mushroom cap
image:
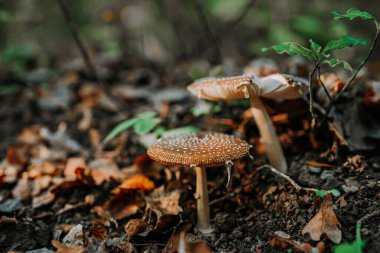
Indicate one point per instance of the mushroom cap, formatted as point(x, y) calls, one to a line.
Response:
point(204, 149)
point(280, 86)
point(275, 86)
point(223, 88)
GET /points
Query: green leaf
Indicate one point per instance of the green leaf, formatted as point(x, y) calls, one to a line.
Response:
point(321, 194)
point(342, 42)
point(141, 124)
point(352, 14)
point(335, 193)
point(315, 49)
point(334, 62)
point(145, 125)
point(355, 247)
point(291, 48)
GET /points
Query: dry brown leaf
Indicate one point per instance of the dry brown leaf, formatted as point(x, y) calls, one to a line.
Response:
point(23, 189)
point(173, 244)
point(85, 122)
point(282, 240)
point(99, 232)
point(324, 222)
point(44, 199)
point(122, 205)
point(166, 203)
point(355, 163)
point(135, 226)
point(71, 165)
point(135, 182)
point(64, 249)
point(7, 220)
point(104, 169)
point(319, 164)
point(181, 242)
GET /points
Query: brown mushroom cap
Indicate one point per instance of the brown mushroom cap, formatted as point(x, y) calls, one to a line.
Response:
point(275, 86)
point(203, 149)
point(223, 88)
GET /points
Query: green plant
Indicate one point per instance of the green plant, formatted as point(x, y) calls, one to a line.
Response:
point(319, 55)
point(354, 247)
point(322, 193)
point(142, 124)
point(145, 123)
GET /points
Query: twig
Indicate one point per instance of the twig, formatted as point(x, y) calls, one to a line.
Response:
point(287, 178)
point(73, 29)
point(323, 85)
point(311, 108)
point(242, 15)
point(352, 79)
point(207, 29)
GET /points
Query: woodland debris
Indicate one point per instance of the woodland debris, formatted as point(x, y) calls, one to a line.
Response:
point(324, 222)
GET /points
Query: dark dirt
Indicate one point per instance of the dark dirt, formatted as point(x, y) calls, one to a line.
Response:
point(245, 215)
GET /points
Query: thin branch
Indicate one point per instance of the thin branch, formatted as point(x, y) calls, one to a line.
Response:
point(240, 18)
point(323, 85)
point(287, 178)
point(73, 29)
point(207, 29)
point(352, 79)
point(311, 108)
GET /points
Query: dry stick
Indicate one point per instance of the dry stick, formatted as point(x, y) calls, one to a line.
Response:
point(73, 29)
point(82, 49)
point(323, 85)
point(207, 29)
point(242, 15)
point(311, 108)
point(287, 178)
point(345, 87)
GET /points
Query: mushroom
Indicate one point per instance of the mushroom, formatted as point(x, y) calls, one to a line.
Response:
point(275, 86)
point(199, 150)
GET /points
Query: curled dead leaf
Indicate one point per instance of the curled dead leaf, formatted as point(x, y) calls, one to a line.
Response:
point(324, 222)
point(282, 240)
point(135, 226)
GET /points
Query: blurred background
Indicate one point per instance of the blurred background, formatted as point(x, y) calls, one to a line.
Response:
point(127, 33)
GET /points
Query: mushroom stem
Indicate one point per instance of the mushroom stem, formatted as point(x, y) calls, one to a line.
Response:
point(203, 205)
point(268, 134)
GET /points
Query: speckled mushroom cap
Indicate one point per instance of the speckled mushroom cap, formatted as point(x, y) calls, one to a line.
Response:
point(224, 88)
point(203, 149)
point(275, 86)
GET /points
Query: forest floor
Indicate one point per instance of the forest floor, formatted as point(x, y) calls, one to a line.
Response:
point(62, 190)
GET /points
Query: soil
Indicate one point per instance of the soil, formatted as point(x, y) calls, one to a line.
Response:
point(255, 205)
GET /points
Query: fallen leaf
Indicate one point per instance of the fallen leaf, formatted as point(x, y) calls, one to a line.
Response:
point(355, 163)
point(135, 182)
point(165, 206)
point(71, 165)
point(181, 242)
point(64, 249)
point(99, 232)
point(74, 238)
point(7, 220)
point(319, 164)
point(135, 226)
point(324, 222)
point(103, 170)
point(282, 240)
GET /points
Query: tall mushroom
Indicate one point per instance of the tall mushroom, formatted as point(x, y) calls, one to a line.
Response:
point(275, 86)
point(199, 150)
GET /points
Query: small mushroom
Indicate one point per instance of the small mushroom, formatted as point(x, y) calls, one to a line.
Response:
point(275, 86)
point(199, 150)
